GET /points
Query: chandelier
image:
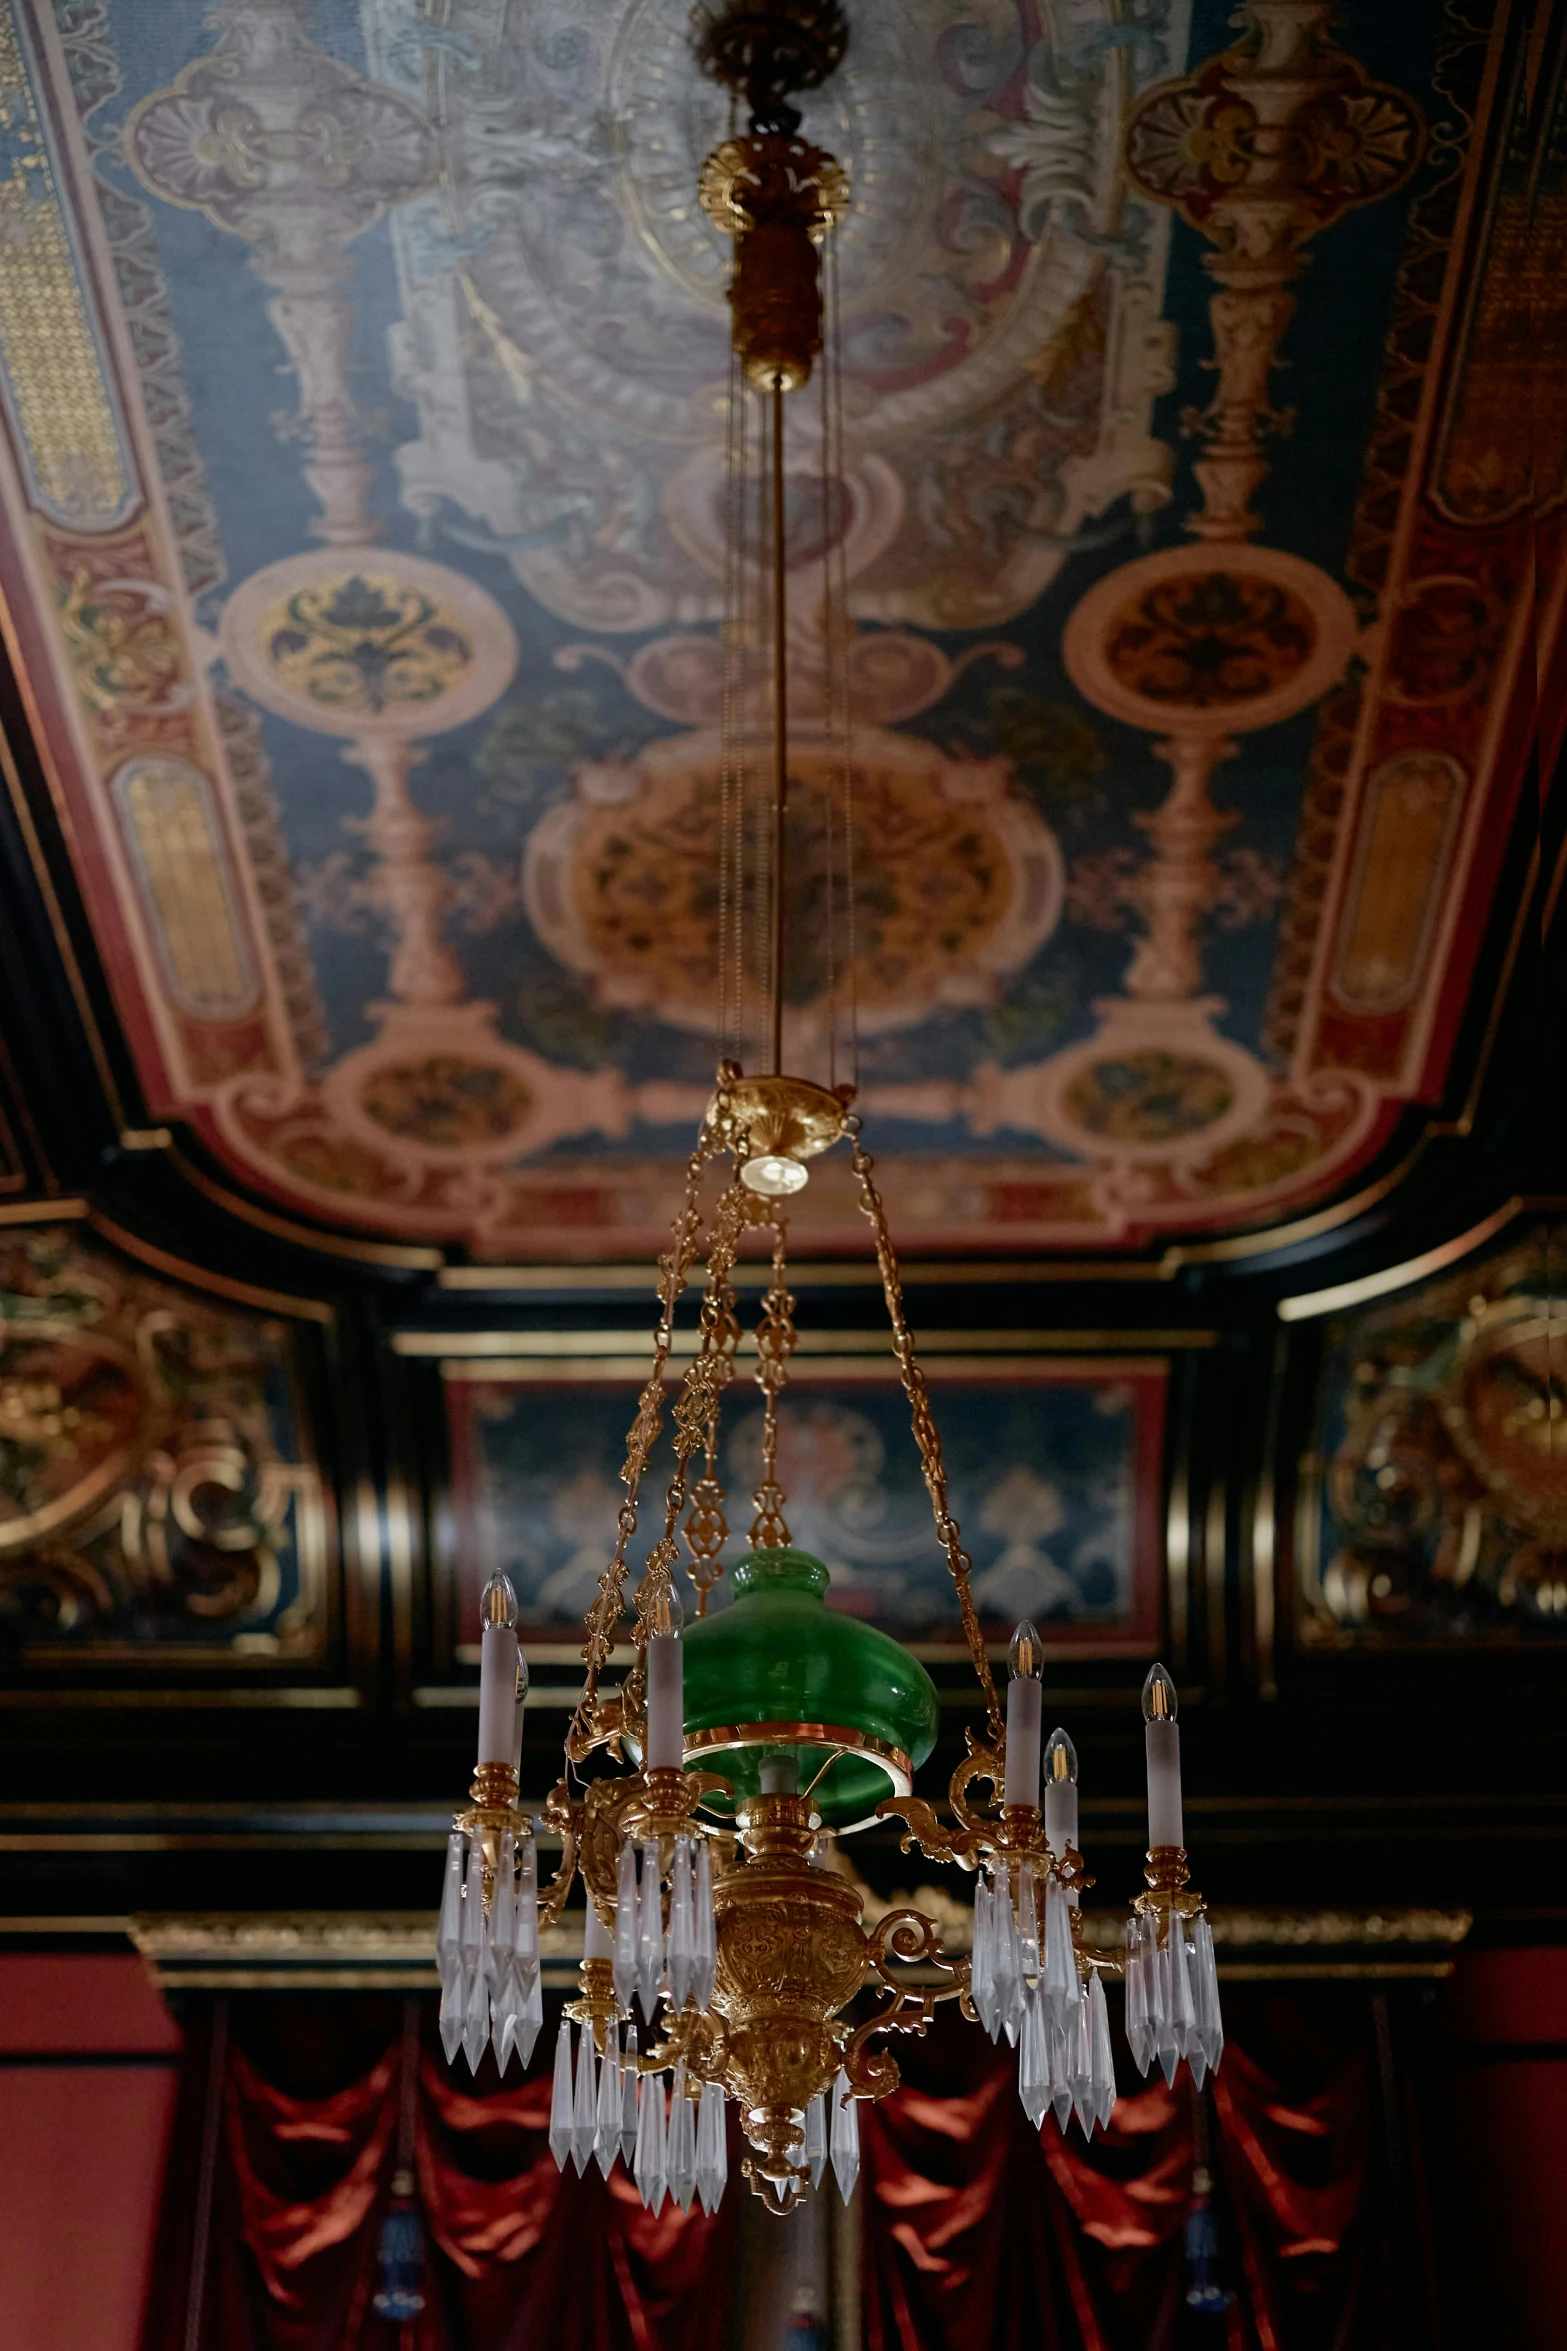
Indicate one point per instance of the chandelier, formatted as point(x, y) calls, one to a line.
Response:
point(727, 1956)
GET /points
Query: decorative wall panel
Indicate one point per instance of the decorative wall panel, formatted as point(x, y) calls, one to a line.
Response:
point(159, 1496)
point(1435, 1507)
point(1055, 1473)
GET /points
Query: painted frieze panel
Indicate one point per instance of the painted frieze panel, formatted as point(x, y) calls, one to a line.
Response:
point(1055, 1475)
point(160, 1500)
point(1434, 1507)
point(362, 379)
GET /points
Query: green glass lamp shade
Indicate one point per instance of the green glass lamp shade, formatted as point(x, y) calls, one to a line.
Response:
point(779, 1663)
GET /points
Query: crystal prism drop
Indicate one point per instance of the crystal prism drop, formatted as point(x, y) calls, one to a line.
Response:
point(1006, 1959)
point(1101, 2061)
point(1060, 2088)
point(1027, 1927)
point(706, 1929)
point(1156, 1979)
point(1079, 2068)
point(503, 2013)
point(650, 1935)
point(1167, 2046)
point(681, 2160)
point(452, 2006)
point(561, 2098)
point(1060, 1962)
point(448, 1934)
point(503, 1909)
point(1033, 2062)
point(525, 1940)
point(628, 2099)
point(529, 2017)
point(816, 2138)
point(982, 1963)
point(844, 2137)
point(712, 2147)
point(476, 2015)
point(471, 1941)
point(682, 1935)
point(584, 2112)
point(626, 1927)
point(498, 1950)
point(1139, 2036)
point(1183, 2012)
point(651, 2173)
point(1210, 2022)
point(606, 2118)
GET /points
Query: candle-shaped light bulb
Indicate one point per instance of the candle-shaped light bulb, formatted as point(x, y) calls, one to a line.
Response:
point(1159, 1699)
point(1025, 1701)
point(498, 1663)
point(498, 1603)
point(1162, 1738)
point(666, 1737)
point(1060, 1793)
point(1025, 1657)
point(664, 1616)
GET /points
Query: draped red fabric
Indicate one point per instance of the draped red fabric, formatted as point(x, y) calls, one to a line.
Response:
point(979, 2233)
point(541, 2256)
point(983, 2235)
point(278, 2251)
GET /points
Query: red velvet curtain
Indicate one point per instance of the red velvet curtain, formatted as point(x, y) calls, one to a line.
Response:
point(979, 2233)
point(982, 2234)
point(281, 2177)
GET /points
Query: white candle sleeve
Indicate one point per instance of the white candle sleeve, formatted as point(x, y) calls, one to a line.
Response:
point(597, 1942)
point(666, 1748)
point(1025, 1701)
point(1164, 1784)
point(1060, 1815)
point(498, 1695)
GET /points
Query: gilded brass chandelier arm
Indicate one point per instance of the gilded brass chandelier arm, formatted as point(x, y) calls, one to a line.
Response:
point(980, 1831)
point(926, 1434)
point(925, 1832)
point(906, 1935)
point(699, 2038)
point(563, 1814)
point(910, 1937)
point(982, 1762)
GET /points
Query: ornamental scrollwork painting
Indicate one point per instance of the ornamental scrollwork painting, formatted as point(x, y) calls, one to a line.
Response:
point(1435, 1508)
point(158, 1498)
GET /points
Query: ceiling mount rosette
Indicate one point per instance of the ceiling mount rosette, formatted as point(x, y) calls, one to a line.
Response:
point(765, 50)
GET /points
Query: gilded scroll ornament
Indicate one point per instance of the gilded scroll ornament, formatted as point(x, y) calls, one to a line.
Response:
point(156, 1492)
point(1439, 1509)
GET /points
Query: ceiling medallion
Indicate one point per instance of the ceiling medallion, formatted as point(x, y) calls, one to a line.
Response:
point(724, 1949)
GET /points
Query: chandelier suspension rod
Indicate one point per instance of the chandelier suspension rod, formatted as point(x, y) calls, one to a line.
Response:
point(780, 719)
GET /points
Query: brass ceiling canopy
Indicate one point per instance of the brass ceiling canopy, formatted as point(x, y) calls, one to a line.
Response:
point(764, 50)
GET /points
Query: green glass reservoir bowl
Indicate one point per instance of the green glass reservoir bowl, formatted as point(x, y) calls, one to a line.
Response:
point(779, 1655)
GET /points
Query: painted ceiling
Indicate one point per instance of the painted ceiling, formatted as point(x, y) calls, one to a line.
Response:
point(363, 390)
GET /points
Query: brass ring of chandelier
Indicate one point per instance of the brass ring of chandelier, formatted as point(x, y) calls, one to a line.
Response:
point(841, 1737)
